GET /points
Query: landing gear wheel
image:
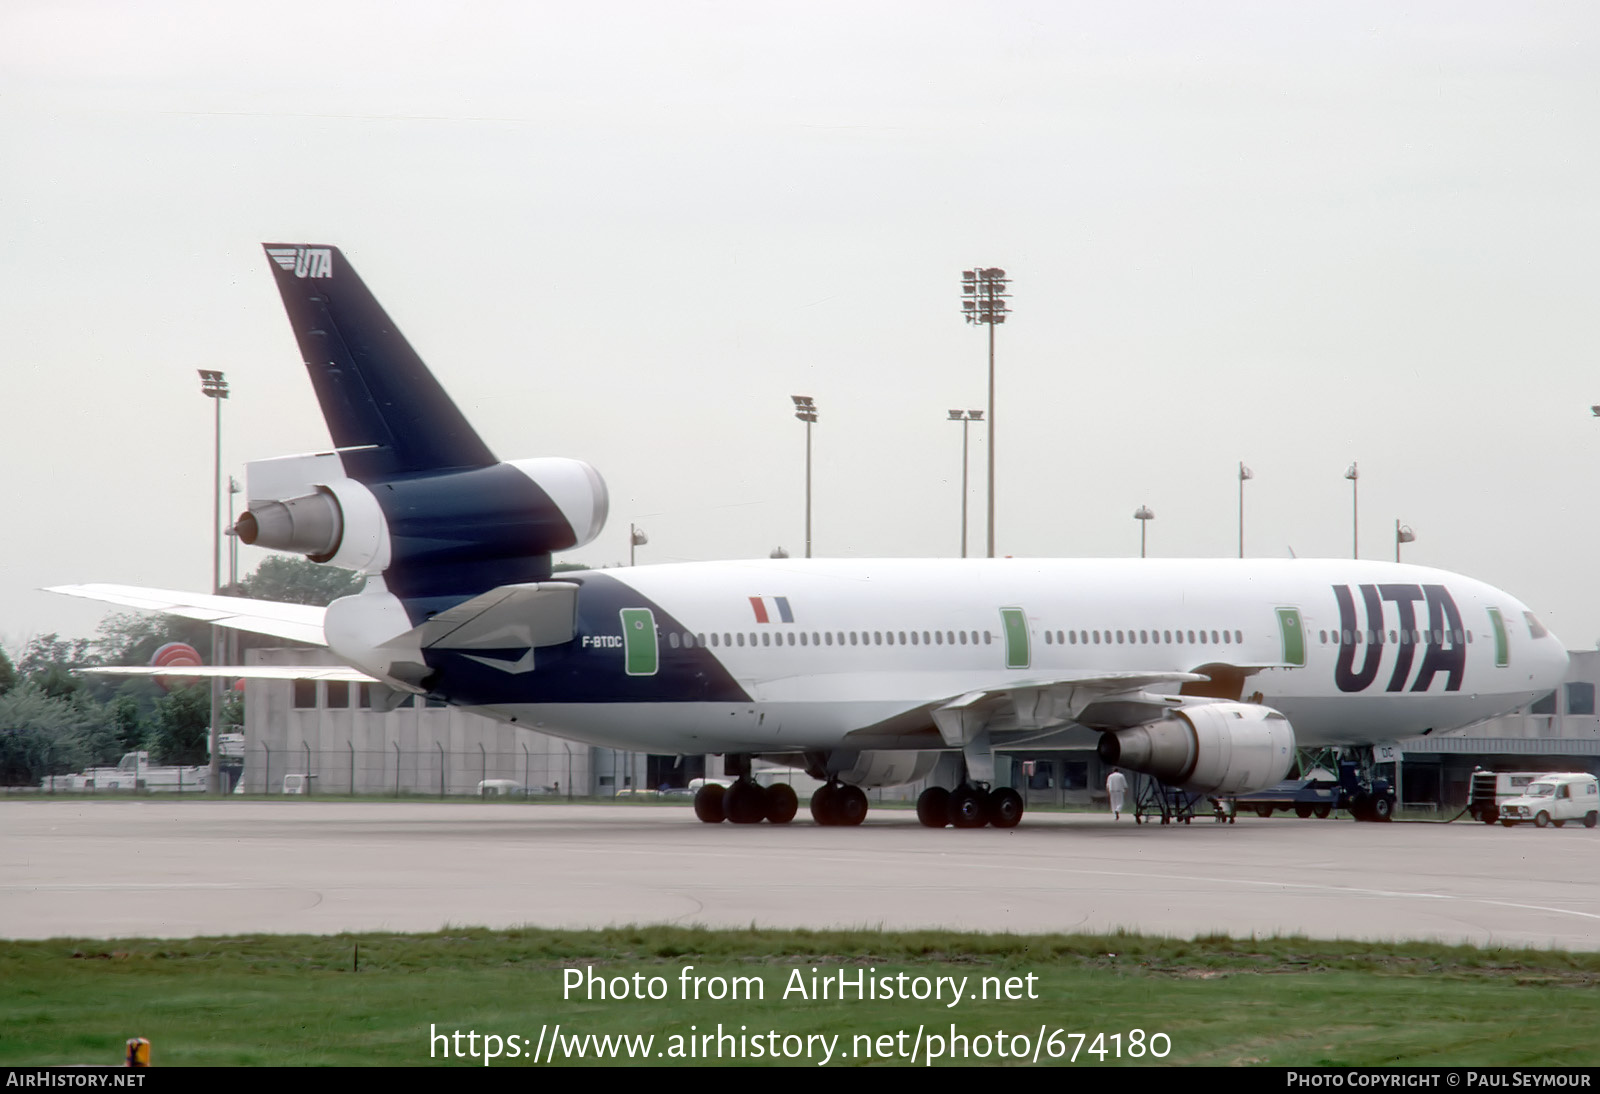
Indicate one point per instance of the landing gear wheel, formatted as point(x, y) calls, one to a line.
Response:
point(782, 804)
point(1322, 811)
point(966, 807)
point(823, 805)
point(1302, 811)
point(933, 807)
point(1542, 820)
point(1004, 807)
point(745, 803)
point(850, 806)
point(708, 803)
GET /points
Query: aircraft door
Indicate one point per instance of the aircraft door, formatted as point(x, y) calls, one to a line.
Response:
point(1294, 637)
point(640, 652)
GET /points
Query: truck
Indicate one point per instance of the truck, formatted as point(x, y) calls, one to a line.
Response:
point(1554, 800)
point(133, 772)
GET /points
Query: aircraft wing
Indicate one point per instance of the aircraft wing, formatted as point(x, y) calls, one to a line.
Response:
point(231, 672)
point(296, 622)
point(1100, 700)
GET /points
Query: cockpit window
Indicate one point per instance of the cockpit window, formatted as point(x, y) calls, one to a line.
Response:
point(1535, 628)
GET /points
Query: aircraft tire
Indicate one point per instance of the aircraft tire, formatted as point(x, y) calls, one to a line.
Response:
point(850, 807)
point(708, 803)
point(823, 810)
point(933, 807)
point(744, 803)
point(966, 808)
point(1542, 820)
point(1004, 807)
point(782, 804)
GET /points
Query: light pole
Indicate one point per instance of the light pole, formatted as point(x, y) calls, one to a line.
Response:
point(1402, 534)
point(965, 417)
point(1355, 511)
point(215, 388)
point(983, 300)
point(636, 538)
point(1144, 516)
point(805, 409)
point(1244, 474)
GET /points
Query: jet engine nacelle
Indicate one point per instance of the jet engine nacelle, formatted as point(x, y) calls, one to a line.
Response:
point(471, 515)
point(1213, 748)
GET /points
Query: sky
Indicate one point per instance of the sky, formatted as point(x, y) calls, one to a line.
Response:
point(1297, 236)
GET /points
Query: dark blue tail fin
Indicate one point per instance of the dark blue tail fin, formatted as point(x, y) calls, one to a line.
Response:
point(376, 394)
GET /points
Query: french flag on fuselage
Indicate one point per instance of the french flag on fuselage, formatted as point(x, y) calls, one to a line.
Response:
point(765, 606)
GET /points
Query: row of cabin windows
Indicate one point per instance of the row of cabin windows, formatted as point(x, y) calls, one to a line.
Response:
point(1404, 638)
point(1142, 638)
point(686, 641)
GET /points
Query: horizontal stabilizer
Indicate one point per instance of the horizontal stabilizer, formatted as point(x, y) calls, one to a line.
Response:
point(246, 672)
point(520, 616)
point(296, 622)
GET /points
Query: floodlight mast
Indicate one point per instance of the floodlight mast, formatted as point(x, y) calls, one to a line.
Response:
point(805, 409)
point(983, 300)
point(965, 417)
point(214, 387)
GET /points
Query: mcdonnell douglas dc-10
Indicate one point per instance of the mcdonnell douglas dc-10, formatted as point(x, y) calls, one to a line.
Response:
point(1205, 674)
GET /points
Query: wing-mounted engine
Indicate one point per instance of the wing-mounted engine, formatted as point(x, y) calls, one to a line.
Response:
point(1213, 748)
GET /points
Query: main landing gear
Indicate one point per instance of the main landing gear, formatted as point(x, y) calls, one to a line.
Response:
point(969, 806)
point(836, 805)
point(746, 802)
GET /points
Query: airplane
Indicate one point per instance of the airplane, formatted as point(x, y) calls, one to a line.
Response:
point(1205, 674)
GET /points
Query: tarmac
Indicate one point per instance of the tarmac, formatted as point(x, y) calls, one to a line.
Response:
point(103, 868)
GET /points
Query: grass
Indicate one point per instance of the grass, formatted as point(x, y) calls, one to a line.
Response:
point(372, 999)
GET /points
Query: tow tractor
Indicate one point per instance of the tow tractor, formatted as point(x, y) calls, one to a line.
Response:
point(1322, 793)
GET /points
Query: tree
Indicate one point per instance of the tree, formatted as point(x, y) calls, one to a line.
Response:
point(180, 728)
point(299, 581)
point(8, 673)
point(43, 734)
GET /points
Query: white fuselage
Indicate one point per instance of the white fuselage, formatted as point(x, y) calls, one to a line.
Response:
point(869, 647)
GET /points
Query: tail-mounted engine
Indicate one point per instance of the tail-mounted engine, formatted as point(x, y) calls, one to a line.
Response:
point(430, 533)
point(1213, 748)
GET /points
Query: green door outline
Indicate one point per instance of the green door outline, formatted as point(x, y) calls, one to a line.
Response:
point(1294, 637)
point(1502, 649)
point(1014, 624)
point(639, 641)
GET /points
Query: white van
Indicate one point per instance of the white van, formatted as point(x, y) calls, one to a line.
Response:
point(1555, 799)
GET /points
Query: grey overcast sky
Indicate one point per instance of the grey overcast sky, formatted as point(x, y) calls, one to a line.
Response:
point(1297, 235)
